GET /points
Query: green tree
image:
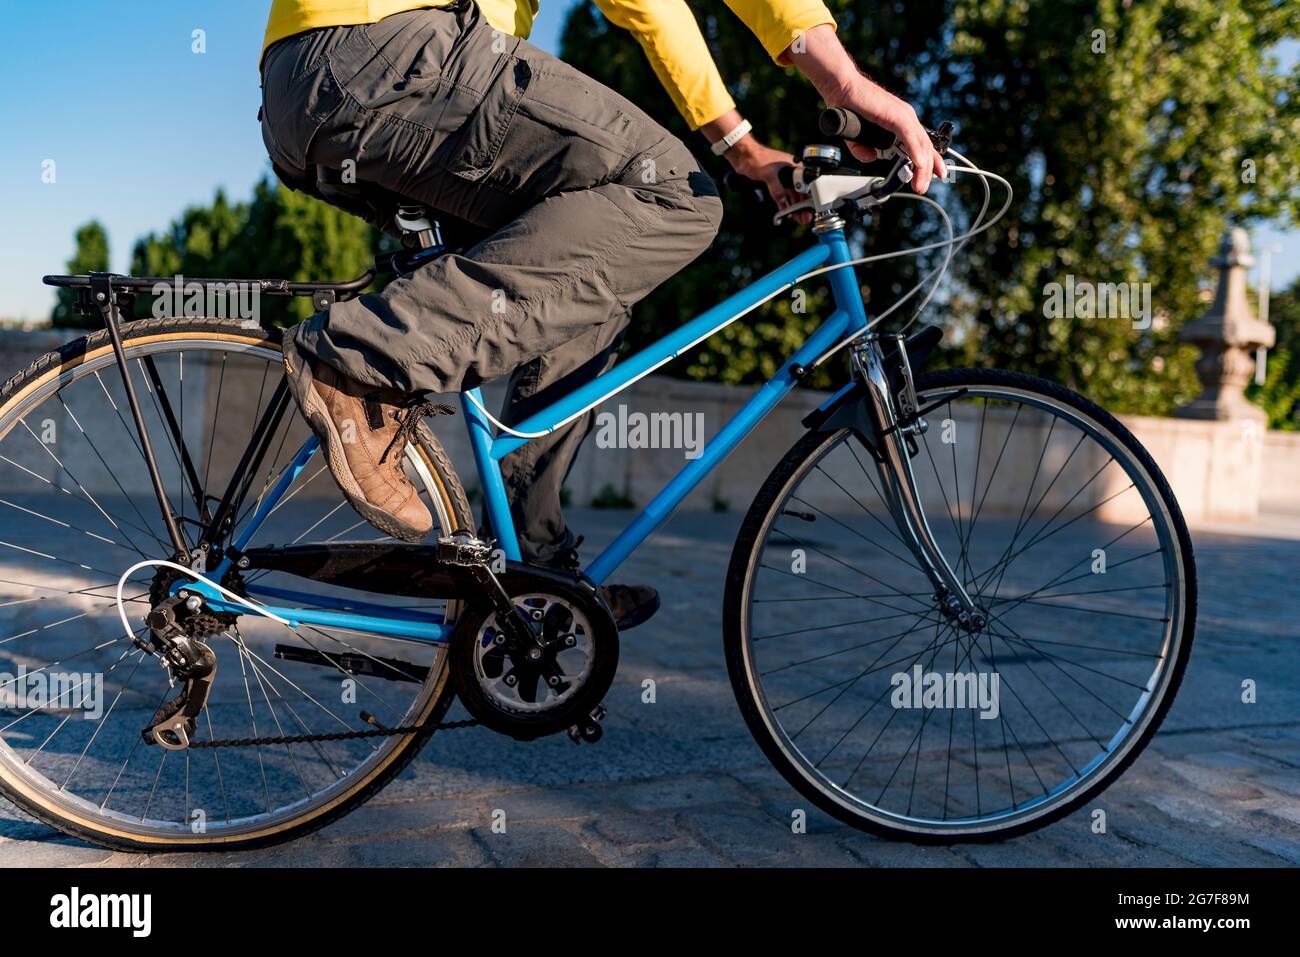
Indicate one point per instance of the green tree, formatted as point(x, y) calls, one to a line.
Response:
point(1131, 132)
point(277, 234)
point(1134, 132)
point(90, 255)
point(1279, 396)
point(303, 238)
point(1284, 316)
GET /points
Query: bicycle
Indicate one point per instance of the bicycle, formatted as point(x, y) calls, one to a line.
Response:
point(877, 589)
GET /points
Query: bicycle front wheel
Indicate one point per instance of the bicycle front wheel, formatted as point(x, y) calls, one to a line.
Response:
point(895, 718)
point(77, 509)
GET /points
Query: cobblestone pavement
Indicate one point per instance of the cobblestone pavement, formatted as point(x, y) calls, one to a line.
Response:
point(680, 782)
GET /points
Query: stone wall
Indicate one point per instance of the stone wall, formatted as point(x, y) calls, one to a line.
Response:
point(1219, 471)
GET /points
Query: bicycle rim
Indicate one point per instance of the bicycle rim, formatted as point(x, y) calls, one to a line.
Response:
point(79, 511)
point(895, 718)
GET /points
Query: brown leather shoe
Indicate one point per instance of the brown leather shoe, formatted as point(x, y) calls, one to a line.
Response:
point(363, 431)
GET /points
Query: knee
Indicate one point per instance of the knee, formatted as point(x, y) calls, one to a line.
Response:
point(707, 202)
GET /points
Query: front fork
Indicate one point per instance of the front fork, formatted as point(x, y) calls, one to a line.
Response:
point(897, 422)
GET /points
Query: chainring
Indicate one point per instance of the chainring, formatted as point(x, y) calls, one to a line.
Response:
point(553, 683)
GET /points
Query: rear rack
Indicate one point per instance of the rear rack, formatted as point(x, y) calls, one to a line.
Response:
point(108, 295)
point(322, 293)
point(271, 287)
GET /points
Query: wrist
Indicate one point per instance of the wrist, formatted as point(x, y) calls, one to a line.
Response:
point(840, 89)
point(742, 152)
point(722, 143)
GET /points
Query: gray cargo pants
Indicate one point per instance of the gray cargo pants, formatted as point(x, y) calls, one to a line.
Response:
point(585, 205)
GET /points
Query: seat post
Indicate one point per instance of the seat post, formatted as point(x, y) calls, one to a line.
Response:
point(418, 230)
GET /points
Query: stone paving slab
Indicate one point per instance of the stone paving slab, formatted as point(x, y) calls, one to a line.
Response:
point(681, 783)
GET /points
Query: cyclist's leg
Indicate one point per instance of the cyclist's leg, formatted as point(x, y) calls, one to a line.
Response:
point(535, 473)
point(593, 204)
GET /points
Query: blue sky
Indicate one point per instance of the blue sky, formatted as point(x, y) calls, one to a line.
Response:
point(139, 126)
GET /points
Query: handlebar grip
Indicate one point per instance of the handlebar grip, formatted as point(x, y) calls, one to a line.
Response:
point(849, 126)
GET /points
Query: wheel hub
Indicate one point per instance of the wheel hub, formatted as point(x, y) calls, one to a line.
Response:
point(200, 623)
point(971, 621)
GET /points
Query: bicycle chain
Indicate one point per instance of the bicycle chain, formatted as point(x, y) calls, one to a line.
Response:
point(332, 736)
point(206, 625)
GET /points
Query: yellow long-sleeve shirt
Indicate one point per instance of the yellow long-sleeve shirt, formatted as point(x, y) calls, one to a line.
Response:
point(666, 30)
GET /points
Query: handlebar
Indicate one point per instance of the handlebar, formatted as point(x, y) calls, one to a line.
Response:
point(739, 183)
point(847, 125)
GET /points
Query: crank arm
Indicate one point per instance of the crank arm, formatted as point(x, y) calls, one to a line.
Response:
point(508, 615)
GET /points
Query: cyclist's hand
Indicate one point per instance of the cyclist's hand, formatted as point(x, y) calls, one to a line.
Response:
point(871, 102)
point(751, 158)
point(822, 58)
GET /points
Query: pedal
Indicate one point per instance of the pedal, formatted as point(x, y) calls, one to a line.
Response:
point(589, 728)
point(464, 550)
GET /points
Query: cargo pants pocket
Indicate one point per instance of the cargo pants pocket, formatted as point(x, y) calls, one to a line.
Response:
point(294, 108)
point(472, 150)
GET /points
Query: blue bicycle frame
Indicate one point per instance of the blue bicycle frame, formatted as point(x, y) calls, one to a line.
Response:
point(849, 314)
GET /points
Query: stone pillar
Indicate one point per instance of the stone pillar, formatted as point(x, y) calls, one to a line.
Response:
point(1227, 335)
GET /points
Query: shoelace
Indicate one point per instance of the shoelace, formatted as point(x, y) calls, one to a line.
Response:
point(408, 418)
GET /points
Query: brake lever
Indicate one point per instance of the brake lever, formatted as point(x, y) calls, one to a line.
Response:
point(902, 173)
point(789, 210)
point(898, 177)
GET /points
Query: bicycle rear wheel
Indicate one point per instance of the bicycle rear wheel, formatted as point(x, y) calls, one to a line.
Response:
point(896, 719)
point(79, 510)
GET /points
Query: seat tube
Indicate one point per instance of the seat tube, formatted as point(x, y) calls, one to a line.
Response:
point(489, 475)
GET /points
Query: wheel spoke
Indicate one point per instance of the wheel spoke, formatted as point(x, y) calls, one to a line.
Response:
point(859, 715)
point(72, 530)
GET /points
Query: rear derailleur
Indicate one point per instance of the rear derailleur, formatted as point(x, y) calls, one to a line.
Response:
point(176, 626)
